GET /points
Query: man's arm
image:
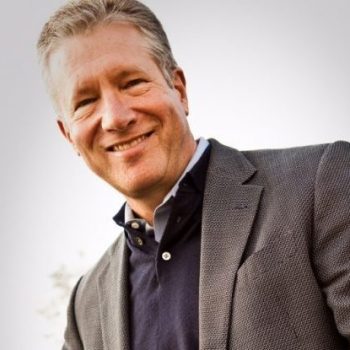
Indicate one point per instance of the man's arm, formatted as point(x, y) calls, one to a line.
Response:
point(331, 248)
point(72, 339)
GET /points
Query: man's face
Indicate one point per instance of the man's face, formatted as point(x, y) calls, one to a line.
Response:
point(118, 111)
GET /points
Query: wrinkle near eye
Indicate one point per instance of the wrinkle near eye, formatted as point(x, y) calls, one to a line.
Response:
point(84, 103)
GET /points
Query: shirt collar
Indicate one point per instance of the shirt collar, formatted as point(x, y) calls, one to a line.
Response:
point(201, 147)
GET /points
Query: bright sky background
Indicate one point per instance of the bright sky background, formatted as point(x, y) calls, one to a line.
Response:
point(270, 73)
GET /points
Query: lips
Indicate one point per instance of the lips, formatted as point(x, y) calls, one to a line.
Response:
point(123, 146)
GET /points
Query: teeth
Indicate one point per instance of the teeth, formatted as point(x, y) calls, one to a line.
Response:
point(125, 146)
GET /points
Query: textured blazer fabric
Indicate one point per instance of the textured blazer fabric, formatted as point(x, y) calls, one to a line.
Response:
point(275, 258)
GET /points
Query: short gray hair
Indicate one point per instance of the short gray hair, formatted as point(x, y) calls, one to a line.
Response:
point(79, 16)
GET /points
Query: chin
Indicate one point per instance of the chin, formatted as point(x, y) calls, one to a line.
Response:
point(138, 187)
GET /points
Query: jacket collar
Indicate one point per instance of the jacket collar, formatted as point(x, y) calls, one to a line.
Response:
point(229, 208)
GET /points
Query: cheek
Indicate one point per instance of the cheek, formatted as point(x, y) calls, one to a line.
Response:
point(178, 127)
point(83, 135)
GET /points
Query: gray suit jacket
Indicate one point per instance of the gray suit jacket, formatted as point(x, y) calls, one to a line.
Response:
point(275, 258)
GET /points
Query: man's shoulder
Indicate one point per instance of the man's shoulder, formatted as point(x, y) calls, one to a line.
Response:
point(305, 158)
point(295, 167)
point(285, 157)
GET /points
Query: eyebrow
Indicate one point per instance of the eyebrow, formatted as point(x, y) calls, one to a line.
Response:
point(86, 88)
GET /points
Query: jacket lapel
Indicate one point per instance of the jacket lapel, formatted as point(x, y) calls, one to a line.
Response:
point(113, 297)
point(229, 209)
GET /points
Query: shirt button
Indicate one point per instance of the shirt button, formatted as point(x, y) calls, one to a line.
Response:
point(135, 225)
point(166, 256)
point(138, 241)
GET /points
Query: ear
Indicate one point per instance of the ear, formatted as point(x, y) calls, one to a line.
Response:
point(179, 82)
point(65, 132)
point(63, 128)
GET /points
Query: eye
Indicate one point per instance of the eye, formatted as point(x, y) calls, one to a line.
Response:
point(134, 82)
point(84, 102)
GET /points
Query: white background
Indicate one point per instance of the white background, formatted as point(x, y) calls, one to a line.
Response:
point(271, 73)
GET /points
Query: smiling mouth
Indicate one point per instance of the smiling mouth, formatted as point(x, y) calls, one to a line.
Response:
point(127, 145)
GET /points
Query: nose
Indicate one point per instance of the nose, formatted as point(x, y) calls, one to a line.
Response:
point(116, 114)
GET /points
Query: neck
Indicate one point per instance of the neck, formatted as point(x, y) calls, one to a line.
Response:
point(145, 205)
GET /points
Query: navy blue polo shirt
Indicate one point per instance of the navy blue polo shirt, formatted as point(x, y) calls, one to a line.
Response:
point(164, 276)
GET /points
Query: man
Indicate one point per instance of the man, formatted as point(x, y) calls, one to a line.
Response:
point(221, 249)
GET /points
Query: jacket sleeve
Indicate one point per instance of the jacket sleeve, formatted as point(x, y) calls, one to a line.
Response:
point(72, 340)
point(331, 248)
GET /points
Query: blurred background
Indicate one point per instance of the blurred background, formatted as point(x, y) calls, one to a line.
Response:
point(261, 74)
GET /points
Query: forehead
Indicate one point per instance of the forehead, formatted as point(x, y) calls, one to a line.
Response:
point(120, 40)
